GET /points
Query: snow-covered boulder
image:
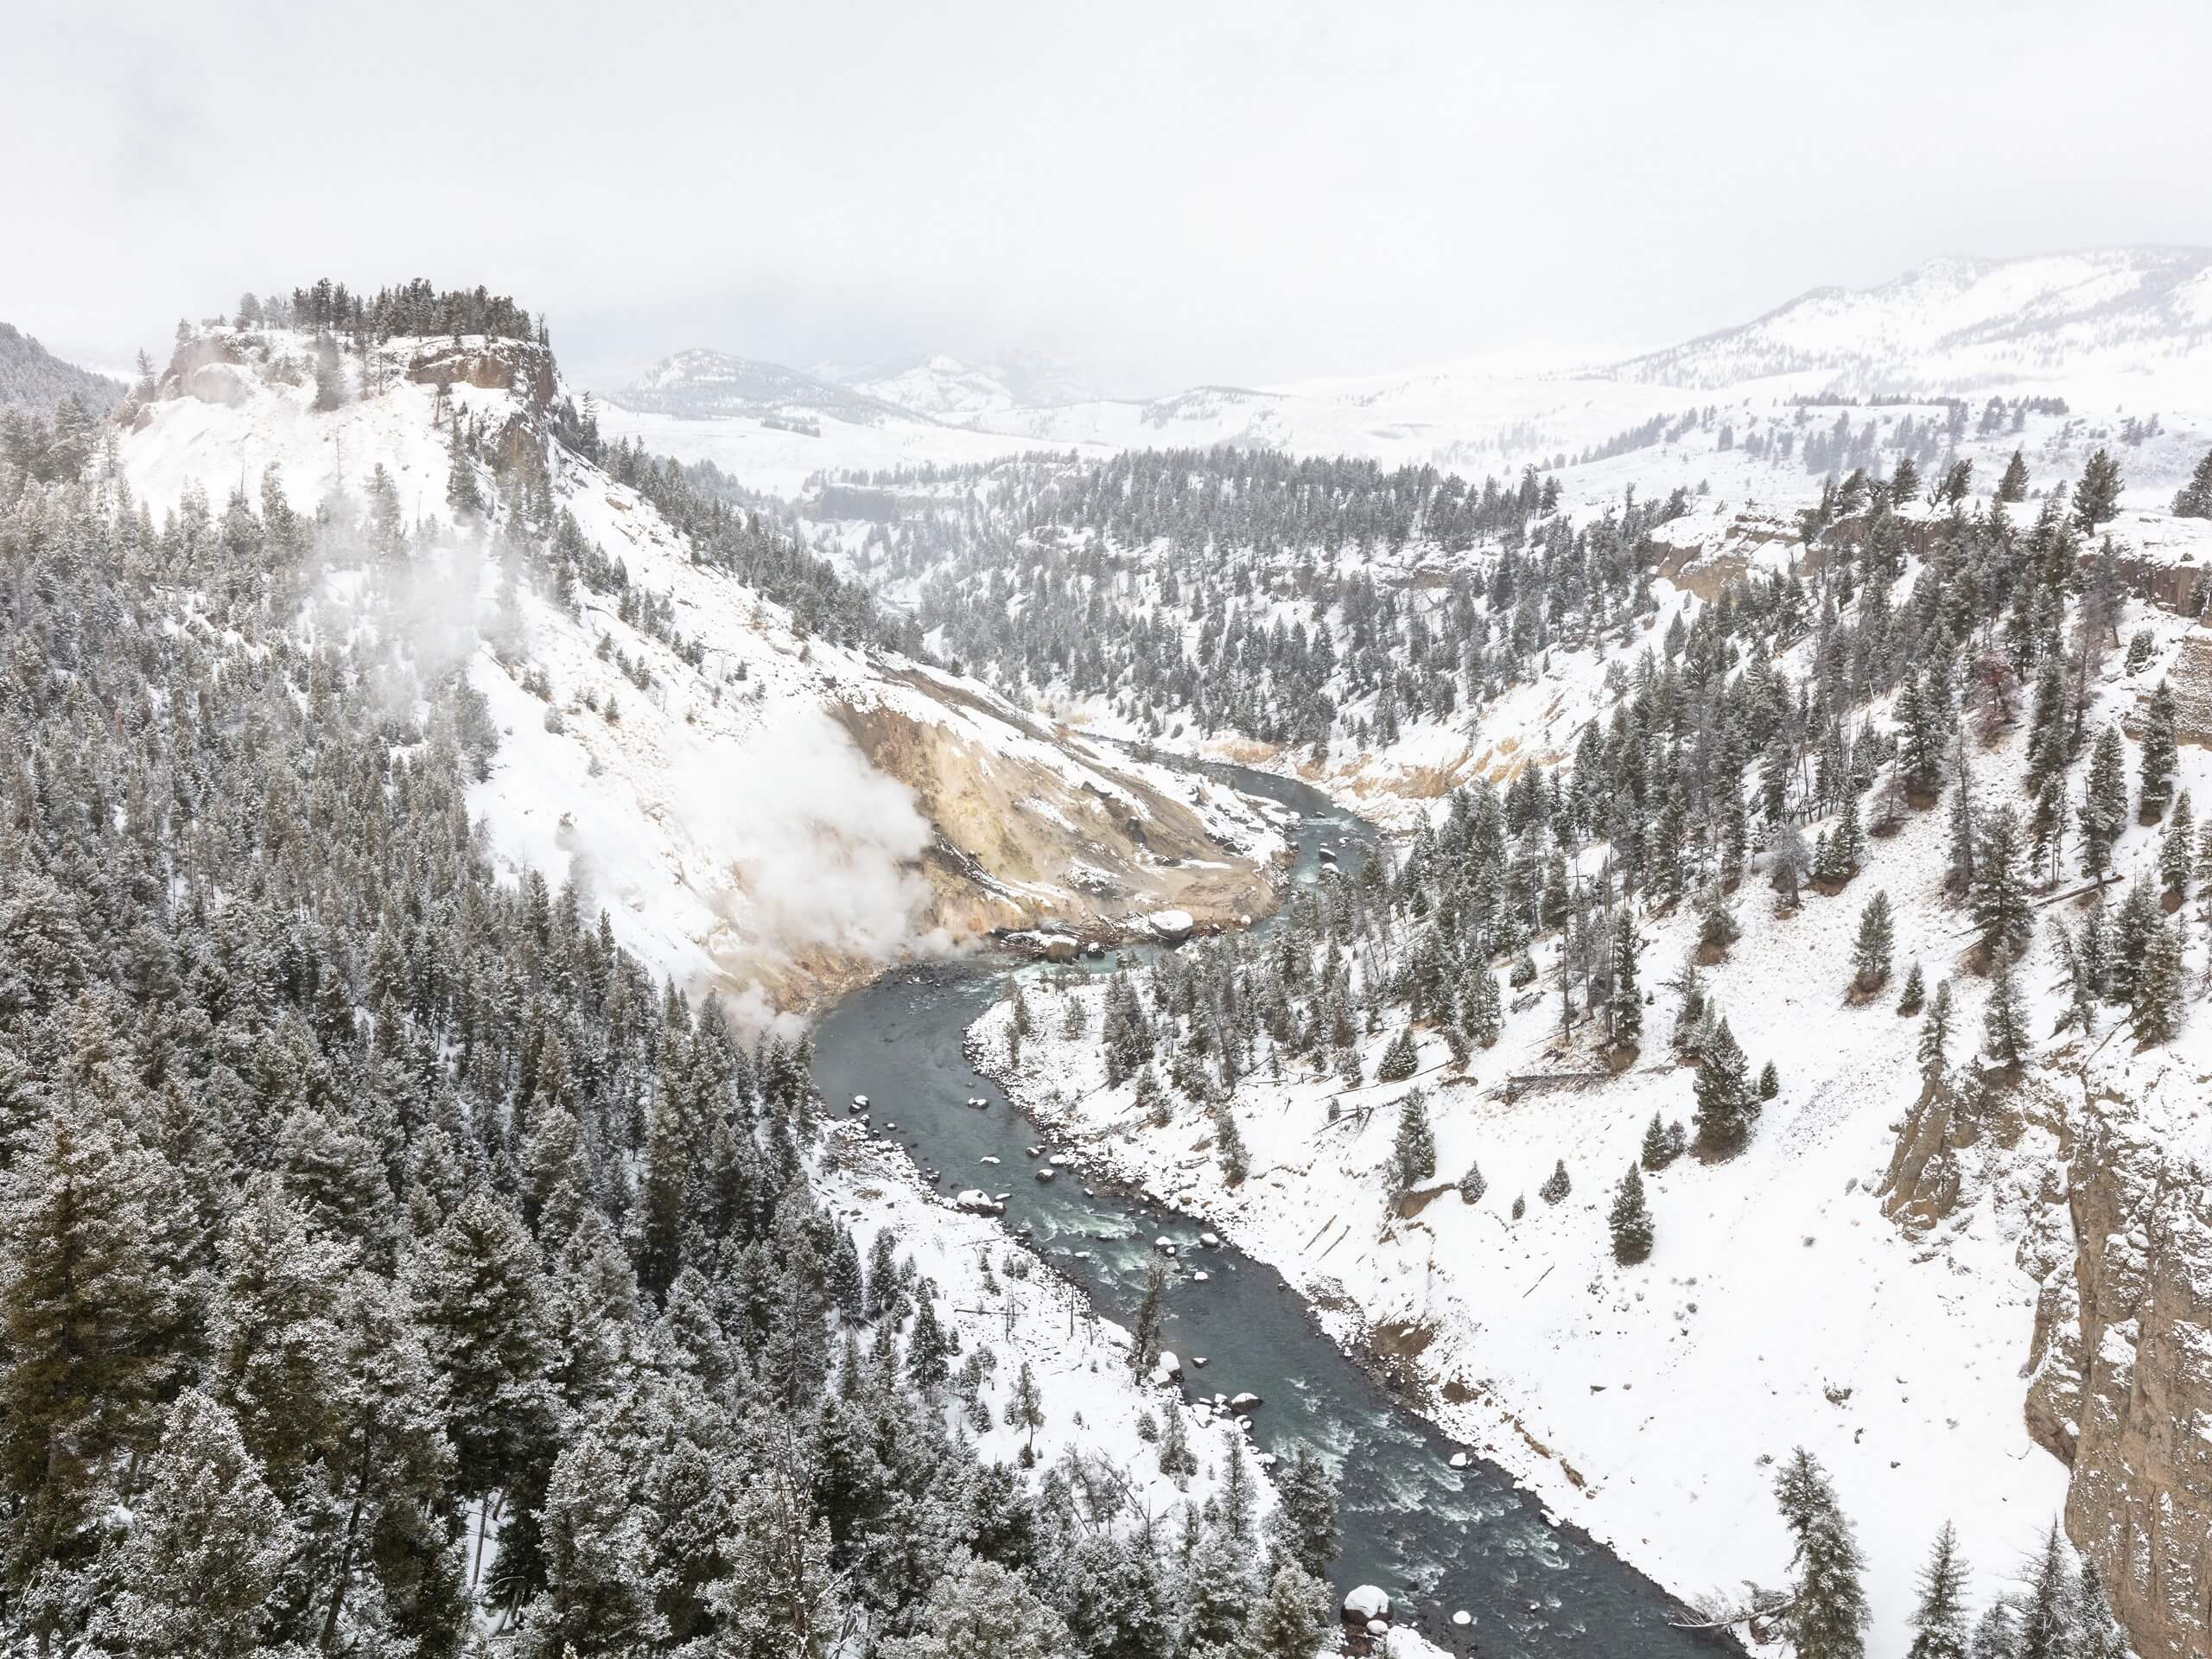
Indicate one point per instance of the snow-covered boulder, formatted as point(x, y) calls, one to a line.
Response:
point(1366, 1603)
point(1174, 926)
point(977, 1202)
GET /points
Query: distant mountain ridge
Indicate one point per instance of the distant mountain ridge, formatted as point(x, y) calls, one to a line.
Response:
point(32, 377)
point(1965, 321)
point(701, 384)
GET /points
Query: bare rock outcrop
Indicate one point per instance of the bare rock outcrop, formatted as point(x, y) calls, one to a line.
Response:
point(2121, 1384)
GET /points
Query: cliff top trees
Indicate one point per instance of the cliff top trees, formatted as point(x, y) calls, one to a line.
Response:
point(2096, 498)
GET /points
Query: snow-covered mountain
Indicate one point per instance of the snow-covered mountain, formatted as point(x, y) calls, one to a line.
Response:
point(1962, 326)
point(944, 388)
point(765, 803)
point(700, 384)
point(2113, 334)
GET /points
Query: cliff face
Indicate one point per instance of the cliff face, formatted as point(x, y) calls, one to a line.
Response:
point(2121, 1386)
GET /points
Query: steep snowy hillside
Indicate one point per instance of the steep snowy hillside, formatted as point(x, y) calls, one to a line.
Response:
point(1974, 1286)
point(762, 802)
point(2114, 318)
point(32, 377)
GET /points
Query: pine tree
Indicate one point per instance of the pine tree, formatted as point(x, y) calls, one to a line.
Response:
point(1471, 1185)
point(88, 1305)
point(1723, 1090)
point(1413, 1150)
point(1914, 993)
point(976, 1608)
point(1659, 1149)
point(1939, 1621)
point(2004, 1021)
point(2177, 848)
point(1870, 955)
point(1025, 1410)
point(208, 1549)
point(2160, 753)
point(487, 1321)
point(1625, 1008)
point(1401, 1059)
point(1769, 1082)
point(1827, 1617)
point(2157, 1004)
point(1994, 1635)
point(1556, 1186)
point(1304, 1521)
point(1287, 1623)
point(2195, 500)
point(2013, 487)
point(1936, 1032)
point(2045, 1620)
point(2097, 1634)
point(2104, 802)
point(2096, 498)
point(1921, 757)
point(598, 1596)
point(1631, 1220)
point(2003, 912)
point(1229, 1144)
point(1484, 1009)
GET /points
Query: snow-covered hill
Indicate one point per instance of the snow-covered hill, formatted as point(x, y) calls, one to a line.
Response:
point(761, 806)
point(32, 377)
point(2109, 317)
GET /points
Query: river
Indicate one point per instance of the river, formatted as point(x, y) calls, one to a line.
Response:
point(1438, 1539)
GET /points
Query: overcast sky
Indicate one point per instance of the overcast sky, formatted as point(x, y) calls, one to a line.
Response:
point(1164, 193)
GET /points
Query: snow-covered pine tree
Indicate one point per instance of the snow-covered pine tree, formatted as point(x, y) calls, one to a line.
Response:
point(1726, 1104)
point(1625, 1008)
point(1630, 1219)
point(1936, 1032)
point(1481, 1006)
point(1826, 1616)
point(1939, 1617)
point(2004, 1019)
point(2195, 499)
point(1556, 1185)
point(2014, 485)
point(2046, 1623)
point(1401, 1058)
point(2177, 849)
point(1471, 1185)
point(1659, 1149)
point(2157, 1004)
point(2003, 913)
point(2103, 809)
point(2160, 753)
point(2096, 498)
point(1876, 940)
point(2097, 1634)
point(1413, 1149)
point(1914, 993)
